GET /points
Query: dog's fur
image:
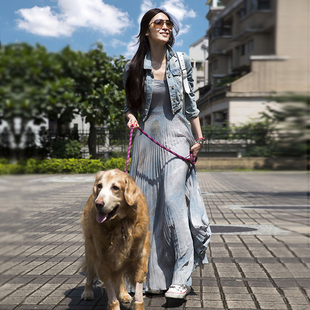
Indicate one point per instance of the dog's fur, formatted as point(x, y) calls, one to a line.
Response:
point(115, 225)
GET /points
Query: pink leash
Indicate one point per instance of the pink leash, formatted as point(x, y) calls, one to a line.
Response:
point(165, 148)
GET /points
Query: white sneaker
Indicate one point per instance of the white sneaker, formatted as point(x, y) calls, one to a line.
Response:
point(177, 291)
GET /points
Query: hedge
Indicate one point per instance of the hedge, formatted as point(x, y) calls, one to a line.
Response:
point(54, 166)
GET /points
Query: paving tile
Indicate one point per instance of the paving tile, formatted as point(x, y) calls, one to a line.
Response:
point(245, 304)
point(40, 256)
point(212, 304)
point(273, 305)
point(238, 297)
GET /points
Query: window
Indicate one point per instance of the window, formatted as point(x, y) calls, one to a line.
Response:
point(221, 28)
point(253, 5)
point(230, 63)
point(245, 9)
point(250, 44)
point(227, 28)
point(264, 4)
point(237, 53)
point(245, 6)
point(199, 66)
point(243, 49)
point(241, 13)
point(215, 65)
point(247, 47)
point(260, 5)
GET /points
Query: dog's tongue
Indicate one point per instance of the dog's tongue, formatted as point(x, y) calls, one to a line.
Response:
point(101, 217)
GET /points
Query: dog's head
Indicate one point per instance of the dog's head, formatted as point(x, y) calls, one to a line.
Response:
point(115, 195)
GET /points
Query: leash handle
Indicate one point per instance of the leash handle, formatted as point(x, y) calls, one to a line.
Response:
point(129, 147)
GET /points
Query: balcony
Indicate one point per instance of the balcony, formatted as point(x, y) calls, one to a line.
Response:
point(228, 79)
point(215, 54)
point(246, 34)
point(254, 20)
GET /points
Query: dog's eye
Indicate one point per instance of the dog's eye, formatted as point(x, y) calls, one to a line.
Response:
point(114, 187)
point(99, 185)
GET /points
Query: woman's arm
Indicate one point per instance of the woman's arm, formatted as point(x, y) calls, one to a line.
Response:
point(195, 122)
point(196, 148)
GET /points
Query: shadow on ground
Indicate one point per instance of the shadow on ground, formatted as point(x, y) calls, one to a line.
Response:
point(101, 300)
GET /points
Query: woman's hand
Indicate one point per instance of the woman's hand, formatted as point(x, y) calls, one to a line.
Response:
point(195, 149)
point(132, 121)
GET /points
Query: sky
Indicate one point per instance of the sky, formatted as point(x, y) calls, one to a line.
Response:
point(56, 24)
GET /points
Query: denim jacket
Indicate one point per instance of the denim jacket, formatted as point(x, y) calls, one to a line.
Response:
point(175, 84)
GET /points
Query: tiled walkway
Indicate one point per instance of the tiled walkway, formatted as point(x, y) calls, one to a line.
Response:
point(259, 253)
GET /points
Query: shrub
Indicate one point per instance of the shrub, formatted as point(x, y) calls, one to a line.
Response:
point(11, 169)
point(55, 165)
point(112, 163)
point(66, 149)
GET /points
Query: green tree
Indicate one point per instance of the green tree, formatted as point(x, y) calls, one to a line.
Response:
point(36, 85)
point(99, 83)
point(292, 120)
point(32, 88)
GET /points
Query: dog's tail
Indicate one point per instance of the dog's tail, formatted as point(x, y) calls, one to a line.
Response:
point(83, 266)
point(86, 270)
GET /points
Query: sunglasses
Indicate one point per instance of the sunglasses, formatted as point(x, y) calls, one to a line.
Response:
point(159, 23)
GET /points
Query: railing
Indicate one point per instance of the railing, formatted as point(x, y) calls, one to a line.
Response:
point(219, 142)
point(107, 143)
point(224, 142)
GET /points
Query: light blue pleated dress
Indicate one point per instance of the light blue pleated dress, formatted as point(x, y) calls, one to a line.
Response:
point(178, 219)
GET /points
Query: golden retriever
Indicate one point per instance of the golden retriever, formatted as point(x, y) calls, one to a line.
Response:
point(115, 225)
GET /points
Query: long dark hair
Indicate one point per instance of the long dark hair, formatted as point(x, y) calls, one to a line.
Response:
point(135, 81)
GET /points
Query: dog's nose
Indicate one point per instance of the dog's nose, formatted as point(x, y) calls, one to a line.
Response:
point(99, 204)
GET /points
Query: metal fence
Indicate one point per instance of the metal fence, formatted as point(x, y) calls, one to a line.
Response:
point(229, 143)
point(219, 143)
point(107, 143)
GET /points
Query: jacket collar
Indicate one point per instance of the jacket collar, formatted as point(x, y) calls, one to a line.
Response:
point(147, 60)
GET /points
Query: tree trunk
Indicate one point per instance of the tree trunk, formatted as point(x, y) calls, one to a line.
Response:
point(92, 141)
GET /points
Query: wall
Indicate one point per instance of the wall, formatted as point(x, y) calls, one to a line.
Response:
point(242, 111)
point(225, 164)
point(289, 69)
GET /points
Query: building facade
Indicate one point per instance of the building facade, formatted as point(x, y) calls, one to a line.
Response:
point(198, 53)
point(256, 48)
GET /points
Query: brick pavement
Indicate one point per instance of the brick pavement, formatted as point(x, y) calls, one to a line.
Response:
point(259, 252)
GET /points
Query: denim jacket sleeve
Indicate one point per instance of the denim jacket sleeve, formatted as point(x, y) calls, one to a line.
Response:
point(191, 109)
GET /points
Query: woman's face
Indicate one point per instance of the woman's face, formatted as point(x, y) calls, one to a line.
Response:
point(159, 32)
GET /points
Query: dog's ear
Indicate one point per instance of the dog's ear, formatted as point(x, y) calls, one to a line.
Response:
point(98, 177)
point(132, 191)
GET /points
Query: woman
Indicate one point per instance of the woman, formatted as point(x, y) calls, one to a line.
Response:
point(179, 223)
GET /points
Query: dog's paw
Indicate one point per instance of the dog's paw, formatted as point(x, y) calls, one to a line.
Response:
point(139, 305)
point(126, 298)
point(114, 305)
point(87, 295)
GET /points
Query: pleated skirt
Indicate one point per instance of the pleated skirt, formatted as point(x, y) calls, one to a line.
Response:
point(178, 219)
